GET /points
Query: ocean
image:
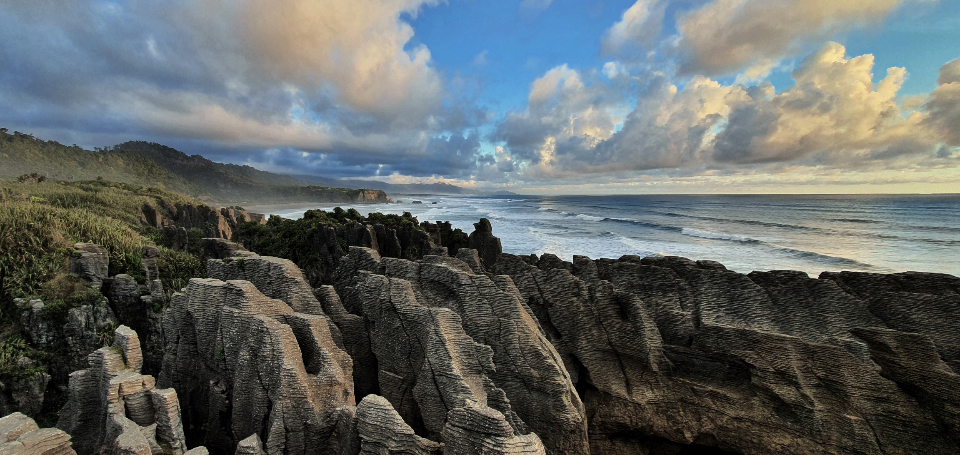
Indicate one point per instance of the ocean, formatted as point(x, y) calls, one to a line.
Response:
point(869, 233)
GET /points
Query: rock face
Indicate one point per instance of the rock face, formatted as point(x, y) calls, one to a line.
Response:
point(90, 262)
point(72, 335)
point(487, 245)
point(447, 338)
point(23, 394)
point(669, 353)
point(245, 363)
point(490, 353)
point(114, 409)
point(382, 431)
point(19, 435)
point(372, 197)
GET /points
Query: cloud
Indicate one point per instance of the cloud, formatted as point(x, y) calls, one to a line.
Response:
point(944, 104)
point(833, 117)
point(355, 49)
point(481, 58)
point(639, 24)
point(726, 35)
point(535, 5)
point(566, 111)
point(332, 78)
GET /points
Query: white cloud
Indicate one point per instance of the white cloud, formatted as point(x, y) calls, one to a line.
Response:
point(355, 49)
point(944, 105)
point(725, 35)
point(639, 24)
point(833, 117)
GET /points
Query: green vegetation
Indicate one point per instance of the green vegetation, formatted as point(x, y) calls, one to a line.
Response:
point(12, 349)
point(296, 240)
point(40, 222)
point(23, 155)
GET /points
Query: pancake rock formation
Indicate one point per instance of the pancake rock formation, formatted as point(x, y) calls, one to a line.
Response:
point(491, 353)
point(667, 353)
point(114, 409)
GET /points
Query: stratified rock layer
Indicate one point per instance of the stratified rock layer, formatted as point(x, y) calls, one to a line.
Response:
point(19, 435)
point(415, 313)
point(241, 359)
point(668, 352)
point(113, 408)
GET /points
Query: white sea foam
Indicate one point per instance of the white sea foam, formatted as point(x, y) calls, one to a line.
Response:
point(716, 235)
point(590, 217)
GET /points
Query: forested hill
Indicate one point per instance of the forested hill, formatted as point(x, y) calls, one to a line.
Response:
point(24, 154)
point(196, 167)
point(152, 164)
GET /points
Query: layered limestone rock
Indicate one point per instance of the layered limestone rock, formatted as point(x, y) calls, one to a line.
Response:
point(90, 262)
point(20, 435)
point(244, 363)
point(427, 364)
point(415, 313)
point(477, 430)
point(382, 431)
point(669, 353)
point(112, 408)
point(72, 332)
point(138, 306)
point(23, 394)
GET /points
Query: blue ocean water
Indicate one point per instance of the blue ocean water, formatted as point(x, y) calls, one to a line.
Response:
point(872, 233)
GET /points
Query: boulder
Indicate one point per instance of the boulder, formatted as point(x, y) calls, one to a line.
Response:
point(90, 262)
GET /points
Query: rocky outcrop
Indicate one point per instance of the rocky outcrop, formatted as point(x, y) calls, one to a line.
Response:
point(20, 435)
point(24, 393)
point(244, 363)
point(70, 332)
point(372, 197)
point(113, 408)
point(415, 313)
point(670, 354)
point(382, 431)
point(138, 306)
point(476, 430)
point(90, 262)
point(486, 244)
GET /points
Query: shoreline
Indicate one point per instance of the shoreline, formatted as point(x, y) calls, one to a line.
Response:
point(273, 209)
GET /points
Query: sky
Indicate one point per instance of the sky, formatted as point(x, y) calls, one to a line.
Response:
point(531, 96)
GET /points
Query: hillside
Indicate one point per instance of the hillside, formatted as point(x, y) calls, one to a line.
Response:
point(23, 154)
point(151, 164)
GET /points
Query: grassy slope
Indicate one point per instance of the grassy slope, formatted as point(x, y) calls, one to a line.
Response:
point(157, 165)
point(38, 225)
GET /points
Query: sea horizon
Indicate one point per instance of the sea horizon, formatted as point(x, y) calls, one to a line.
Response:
point(882, 233)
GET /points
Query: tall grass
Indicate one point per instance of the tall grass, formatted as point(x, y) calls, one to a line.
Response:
point(39, 223)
